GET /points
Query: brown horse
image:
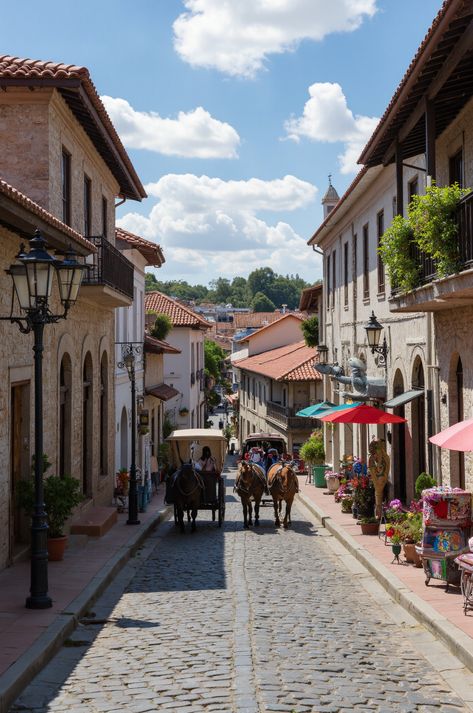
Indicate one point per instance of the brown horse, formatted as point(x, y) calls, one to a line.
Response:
point(187, 487)
point(250, 485)
point(282, 485)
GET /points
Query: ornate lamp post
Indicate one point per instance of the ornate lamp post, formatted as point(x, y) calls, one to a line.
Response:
point(373, 332)
point(33, 277)
point(323, 354)
point(129, 352)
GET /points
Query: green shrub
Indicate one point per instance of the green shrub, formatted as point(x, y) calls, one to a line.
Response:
point(61, 495)
point(161, 327)
point(313, 451)
point(395, 252)
point(424, 481)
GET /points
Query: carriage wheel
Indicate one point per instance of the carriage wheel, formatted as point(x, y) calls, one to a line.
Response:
point(176, 521)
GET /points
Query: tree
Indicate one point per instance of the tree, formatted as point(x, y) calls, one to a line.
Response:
point(221, 289)
point(260, 280)
point(214, 356)
point(161, 327)
point(261, 303)
point(310, 330)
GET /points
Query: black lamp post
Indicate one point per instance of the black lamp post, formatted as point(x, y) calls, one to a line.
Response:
point(129, 351)
point(323, 354)
point(373, 332)
point(33, 277)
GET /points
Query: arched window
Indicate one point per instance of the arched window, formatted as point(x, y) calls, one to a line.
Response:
point(65, 412)
point(104, 415)
point(124, 439)
point(399, 442)
point(418, 422)
point(456, 414)
point(87, 425)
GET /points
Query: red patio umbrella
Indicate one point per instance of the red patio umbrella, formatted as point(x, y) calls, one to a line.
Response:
point(458, 437)
point(362, 414)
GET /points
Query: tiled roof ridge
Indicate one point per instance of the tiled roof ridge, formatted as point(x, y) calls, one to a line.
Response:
point(420, 51)
point(23, 200)
point(26, 68)
point(271, 324)
point(289, 349)
point(180, 306)
point(253, 365)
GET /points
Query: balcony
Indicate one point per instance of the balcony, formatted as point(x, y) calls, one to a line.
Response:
point(110, 278)
point(456, 290)
point(285, 416)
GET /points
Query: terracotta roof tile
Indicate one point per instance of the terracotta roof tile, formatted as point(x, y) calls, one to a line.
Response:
point(241, 320)
point(17, 70)
point(289, 363)
point(18, 197)
point(180, 315)
point(152, 252)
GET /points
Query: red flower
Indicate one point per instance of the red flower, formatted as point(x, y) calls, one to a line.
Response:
point(390, 532)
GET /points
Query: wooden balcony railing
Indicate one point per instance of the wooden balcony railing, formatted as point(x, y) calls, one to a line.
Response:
point(110, 267)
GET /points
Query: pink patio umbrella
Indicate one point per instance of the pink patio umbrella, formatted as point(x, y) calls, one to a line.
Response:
point(458, 437)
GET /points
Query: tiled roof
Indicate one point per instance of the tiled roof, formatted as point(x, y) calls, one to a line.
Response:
point(15, 195)
point(69, 79)
point(289, 363)
point(159, 346)
point(242, 320)
point(180, 315)
point(282, 317)
point(152, 252)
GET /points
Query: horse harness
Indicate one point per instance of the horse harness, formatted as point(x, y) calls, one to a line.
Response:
point(260, 475)
point(200, 484)
point(277, 478)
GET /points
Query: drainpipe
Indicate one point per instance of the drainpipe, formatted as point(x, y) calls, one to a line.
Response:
point(123, 200)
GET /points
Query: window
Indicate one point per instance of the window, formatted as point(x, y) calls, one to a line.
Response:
point(456, 168)
point(87, 205)
point(104, 217)
point(366, 262)
point(380, 227)
point(345, 274)
point(355, 265)
point(65, 415)
point(66, 186)
point(328, 282)
point(334, 275)
point(413, 188)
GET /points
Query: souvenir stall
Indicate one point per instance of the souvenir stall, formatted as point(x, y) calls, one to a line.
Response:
point(446, 529)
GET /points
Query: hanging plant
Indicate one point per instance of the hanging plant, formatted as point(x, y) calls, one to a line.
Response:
point(395, 252)
point(433, 220)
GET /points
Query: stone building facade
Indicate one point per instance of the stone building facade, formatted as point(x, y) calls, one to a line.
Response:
point(62, 166)
point(424, 135)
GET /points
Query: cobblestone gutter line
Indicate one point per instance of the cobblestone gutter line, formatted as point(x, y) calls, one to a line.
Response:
point(22, 672)
point(459, 643)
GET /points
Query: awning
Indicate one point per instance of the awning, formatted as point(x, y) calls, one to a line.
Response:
point(163, 392)
point(404, 398)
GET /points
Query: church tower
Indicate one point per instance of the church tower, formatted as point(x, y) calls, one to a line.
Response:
point(330, 199)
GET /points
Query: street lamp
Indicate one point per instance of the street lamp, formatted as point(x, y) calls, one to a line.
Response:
point(323, 354)
point(33, 277)
point(373, 332)
point(129, 352)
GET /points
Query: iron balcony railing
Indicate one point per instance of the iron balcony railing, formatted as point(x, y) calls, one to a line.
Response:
point(465, 243)
point(286, 416)
point(110, 267)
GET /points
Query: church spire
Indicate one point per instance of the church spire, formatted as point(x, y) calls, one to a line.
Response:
point(331, 197)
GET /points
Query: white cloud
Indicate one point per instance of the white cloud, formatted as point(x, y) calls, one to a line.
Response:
point(193, 134)
point(236, 36)
point(327, 118)
point(210, 227)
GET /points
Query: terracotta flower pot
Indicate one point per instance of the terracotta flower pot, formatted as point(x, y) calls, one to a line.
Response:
point(369, 528)
point(56, 548)
point(411, 555)
point(333, 483)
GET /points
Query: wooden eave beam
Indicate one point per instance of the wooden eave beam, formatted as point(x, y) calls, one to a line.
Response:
point(461, 48)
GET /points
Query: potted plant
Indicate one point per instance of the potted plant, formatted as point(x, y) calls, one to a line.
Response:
point(424, 481)
point(347, 503)
point(363, 495)
point(184, 411)
point(313, 452)
point(369, 525)
point(410, 531)
point(61, 496)
point(333, 481)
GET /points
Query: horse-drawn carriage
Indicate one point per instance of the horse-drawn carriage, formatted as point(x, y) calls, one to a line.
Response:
point(191, 487)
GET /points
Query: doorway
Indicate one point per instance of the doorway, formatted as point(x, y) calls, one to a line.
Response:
point(87, 426)
point(399, 443)
point(124, 439)
point(19, 465)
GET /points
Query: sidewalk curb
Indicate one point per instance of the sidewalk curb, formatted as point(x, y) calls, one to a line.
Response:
point(459, 643)
point(21, 673)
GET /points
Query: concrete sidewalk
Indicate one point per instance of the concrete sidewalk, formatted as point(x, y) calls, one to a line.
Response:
point(440, 611)
point(31, 637)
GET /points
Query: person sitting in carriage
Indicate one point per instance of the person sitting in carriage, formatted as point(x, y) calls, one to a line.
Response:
point(272, 457)
point(206, 462)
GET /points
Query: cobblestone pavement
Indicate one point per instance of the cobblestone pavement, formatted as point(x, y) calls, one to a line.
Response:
point(235, 621)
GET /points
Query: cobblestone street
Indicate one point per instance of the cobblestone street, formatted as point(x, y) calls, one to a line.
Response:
point(236, 621)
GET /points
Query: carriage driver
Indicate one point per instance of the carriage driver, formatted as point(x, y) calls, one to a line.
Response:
point(206, 462)
point(271, 458)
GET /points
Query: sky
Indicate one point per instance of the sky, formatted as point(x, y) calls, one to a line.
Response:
point(234, 112)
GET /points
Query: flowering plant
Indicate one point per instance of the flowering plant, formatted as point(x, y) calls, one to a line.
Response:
point(416, 506)
point(343, 490)
point(330, 474)
point(410, 530)
point(393, 534)
point(395, 504)
point(123, 478)
point(363, 495)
